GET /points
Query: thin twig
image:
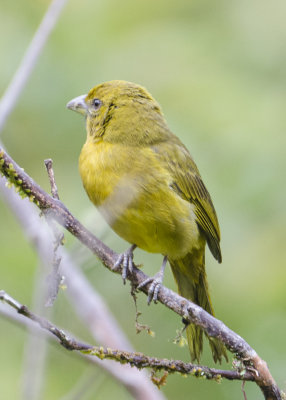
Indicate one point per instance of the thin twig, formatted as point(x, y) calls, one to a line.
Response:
point(54, 279)
point(243, 390)
point(29, 60)
point(50, 171)
point(138, 360)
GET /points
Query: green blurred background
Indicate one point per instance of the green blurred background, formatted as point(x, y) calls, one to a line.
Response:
point(218, 69)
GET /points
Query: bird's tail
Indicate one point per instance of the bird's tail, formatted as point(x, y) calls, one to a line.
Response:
point(189, 273)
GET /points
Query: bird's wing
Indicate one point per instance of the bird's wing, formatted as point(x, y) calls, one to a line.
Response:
point(187, 183)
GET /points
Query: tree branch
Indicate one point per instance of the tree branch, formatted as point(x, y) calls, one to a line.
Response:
point(188, 310)
point(126, 378)
point(12, 94)
point(138, 360)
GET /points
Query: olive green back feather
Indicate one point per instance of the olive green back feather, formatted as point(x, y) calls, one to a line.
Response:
point(188, 184)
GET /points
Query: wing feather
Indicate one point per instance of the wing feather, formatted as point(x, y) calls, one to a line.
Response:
point(187, 183)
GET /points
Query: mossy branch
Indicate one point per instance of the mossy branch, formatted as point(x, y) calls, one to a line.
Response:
point(134, 359)
point(191, 312)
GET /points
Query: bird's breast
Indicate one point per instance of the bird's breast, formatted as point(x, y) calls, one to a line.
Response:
point(98, 170)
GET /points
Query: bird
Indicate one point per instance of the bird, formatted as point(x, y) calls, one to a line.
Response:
point(145, 183)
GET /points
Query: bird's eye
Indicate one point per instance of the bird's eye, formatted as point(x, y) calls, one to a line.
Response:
point(96, 103)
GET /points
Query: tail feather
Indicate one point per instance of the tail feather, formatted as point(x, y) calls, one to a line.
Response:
point(190, 276)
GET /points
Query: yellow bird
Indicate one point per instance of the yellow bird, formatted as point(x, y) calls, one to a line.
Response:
point(148, 188)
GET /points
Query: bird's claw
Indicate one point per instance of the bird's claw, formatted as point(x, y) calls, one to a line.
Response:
point(154, 287)
point(157, 281)
point(126, 261)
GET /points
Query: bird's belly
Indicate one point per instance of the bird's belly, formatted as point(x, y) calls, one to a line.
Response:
point(157, 226)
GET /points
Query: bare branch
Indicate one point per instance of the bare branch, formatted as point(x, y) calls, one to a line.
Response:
point(29, 60)
point(54, 189)
point(188, 310)
point(54, 279)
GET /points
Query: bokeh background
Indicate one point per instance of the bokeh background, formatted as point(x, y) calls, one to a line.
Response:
point(218, 70)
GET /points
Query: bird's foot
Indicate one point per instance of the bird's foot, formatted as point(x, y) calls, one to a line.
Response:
point(126, 261)
point(154, 287)
point(157, 281)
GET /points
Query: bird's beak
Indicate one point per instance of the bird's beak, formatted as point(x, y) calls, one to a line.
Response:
point(78, 104)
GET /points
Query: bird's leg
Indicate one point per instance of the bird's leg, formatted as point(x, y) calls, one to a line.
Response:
point(126, 259)
point(156, 283)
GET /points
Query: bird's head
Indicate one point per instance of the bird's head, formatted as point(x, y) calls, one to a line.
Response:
point(121, 112)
